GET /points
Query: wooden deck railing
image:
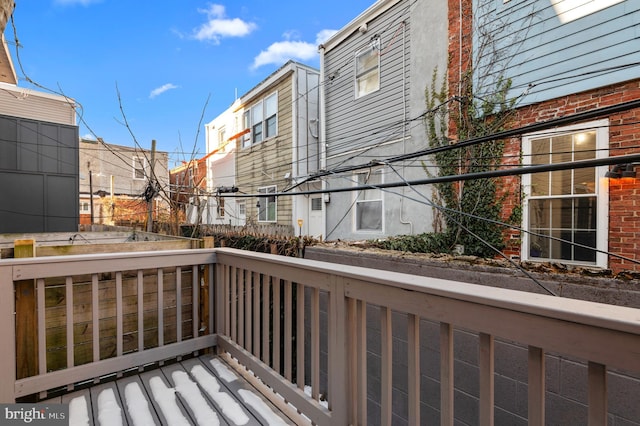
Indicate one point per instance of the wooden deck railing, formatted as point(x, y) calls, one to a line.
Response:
point(287, 323)
point(98, 315)
point(260, 288)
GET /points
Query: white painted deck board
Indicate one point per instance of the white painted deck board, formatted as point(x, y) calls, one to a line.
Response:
point(165, 373)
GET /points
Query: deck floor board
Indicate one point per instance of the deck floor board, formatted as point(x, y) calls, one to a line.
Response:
point(91, 395)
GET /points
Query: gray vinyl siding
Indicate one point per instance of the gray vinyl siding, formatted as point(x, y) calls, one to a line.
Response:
point(351, 122)
point(386, 123)
point(109, 160)
point(550, 59)
point(26, 103)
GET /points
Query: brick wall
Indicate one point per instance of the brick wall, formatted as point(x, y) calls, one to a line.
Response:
point(624, 138)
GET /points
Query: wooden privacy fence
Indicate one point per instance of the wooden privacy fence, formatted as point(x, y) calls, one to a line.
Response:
point(268, 230)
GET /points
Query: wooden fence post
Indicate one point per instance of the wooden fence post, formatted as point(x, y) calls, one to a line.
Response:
point(26, 317)
point(207, 242)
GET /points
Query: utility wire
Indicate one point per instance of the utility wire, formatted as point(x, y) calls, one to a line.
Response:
point(430, 203)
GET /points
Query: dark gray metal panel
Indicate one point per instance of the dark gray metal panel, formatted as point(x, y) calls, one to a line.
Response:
point(38, 176)
point(28, 147)
point(8, 144)
point(49, 147)
point(62, 203)
point(68, 150)
point(21, 202)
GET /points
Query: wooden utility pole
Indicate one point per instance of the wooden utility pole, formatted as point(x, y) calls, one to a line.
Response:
point(152, 184)
point(90, 191)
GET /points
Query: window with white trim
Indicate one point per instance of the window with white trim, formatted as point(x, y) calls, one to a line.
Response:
point(246, 125)
point(565, 211)
point(222, 139)
point(316, 204)
point(368, 207)
point(242, 209)
point(368, 69)
point(220, 207)
point(138, 167)
point(262, 120)
point(267, 204)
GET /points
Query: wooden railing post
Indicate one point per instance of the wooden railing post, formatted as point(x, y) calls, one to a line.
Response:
point(26, 320)
point(338, 358)
point(207, 242)
point(7, 335)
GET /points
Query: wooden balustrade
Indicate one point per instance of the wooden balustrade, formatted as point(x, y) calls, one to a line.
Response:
point(288, 323)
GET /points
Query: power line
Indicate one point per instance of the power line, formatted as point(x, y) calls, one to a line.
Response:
point(476, 236)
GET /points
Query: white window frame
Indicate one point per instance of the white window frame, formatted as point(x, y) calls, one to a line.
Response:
point(246, 124)
point(601, 129)
point(361, 198)
point(256, 116)
point(265, 204)
point(139, 161)
point(362, 75)
point(220, 208)
point(222, 143)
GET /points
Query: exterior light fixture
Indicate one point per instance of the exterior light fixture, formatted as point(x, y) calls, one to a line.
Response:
point(621, 171)
point(258, 204)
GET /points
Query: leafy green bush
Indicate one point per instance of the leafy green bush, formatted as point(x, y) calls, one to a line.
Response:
point(422, 243)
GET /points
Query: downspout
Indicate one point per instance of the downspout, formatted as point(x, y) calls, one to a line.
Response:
point(403, 221)
point(322, 137)
point(295, 167)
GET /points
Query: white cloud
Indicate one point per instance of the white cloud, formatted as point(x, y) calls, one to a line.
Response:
point(160, 90)
point(218, 26)
point(324, 35)
point(281, 51)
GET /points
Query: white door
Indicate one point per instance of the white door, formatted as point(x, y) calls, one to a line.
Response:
point(315, 216)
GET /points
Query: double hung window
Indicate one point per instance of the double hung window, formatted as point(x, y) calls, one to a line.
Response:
point(368, 69)
point(565, 210)
point(262, 120)
point(368, 207)
point(138, 168)
point(267, 205)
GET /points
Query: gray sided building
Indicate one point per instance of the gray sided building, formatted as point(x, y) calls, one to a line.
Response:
point(374, 74)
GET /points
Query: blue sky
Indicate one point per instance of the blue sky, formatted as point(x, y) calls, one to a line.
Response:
point(169, 61)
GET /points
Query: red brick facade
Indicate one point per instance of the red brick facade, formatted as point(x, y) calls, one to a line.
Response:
point(624, 138)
